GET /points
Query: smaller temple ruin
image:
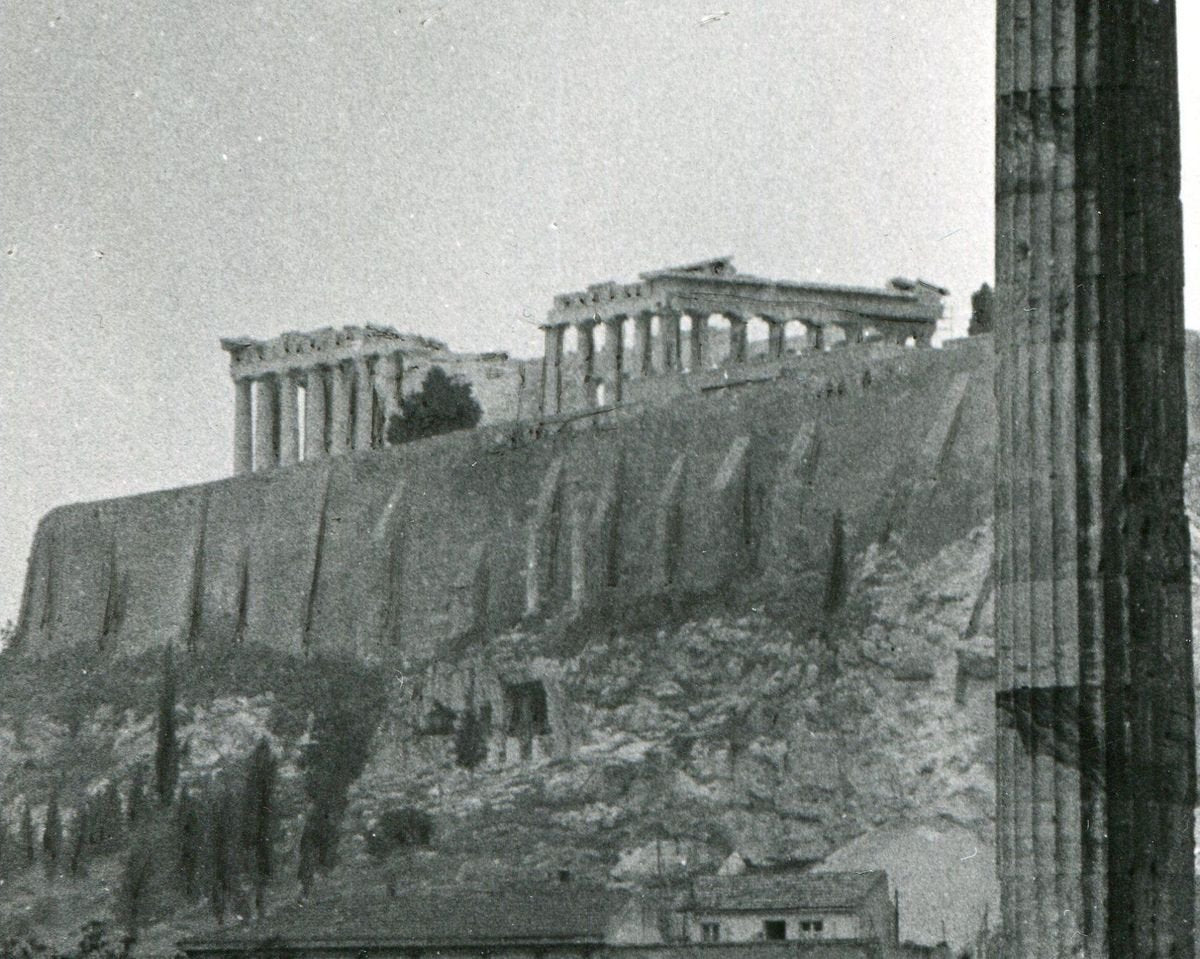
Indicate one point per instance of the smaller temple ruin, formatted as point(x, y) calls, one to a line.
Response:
point(307, 396)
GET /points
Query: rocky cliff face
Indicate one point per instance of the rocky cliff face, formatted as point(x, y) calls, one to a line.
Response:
point(649, 735)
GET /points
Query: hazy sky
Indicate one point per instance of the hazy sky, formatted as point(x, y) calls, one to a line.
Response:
point(175, 172)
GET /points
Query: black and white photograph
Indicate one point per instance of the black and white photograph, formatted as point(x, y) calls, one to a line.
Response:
point(599, 479)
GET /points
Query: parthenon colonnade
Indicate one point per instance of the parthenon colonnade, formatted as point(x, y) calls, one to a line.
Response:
point(350, 380)
point(904, 312)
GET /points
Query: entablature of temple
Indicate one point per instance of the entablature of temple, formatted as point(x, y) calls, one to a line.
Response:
point(713, 287)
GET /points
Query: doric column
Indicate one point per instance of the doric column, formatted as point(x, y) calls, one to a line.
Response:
point(266, 422)
point(737, 338)
point(698, 342)
point(814, 336)
point(614, 344)
point(585, 349)
point(1095, 753)
point(315, 414)
point(364, 404)
point(243, 425)
point(552, 355)
point(289, 419)
point(644, 360)
point(776, 337)
point(388, 370)
point(340, 399)
point(668, 337)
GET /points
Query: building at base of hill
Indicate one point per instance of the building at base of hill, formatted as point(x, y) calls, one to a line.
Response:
point(807, 916)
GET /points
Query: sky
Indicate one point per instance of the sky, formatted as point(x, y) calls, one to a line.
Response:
point(174, 173)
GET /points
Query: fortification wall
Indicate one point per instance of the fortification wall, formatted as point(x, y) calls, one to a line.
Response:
point(402, 550)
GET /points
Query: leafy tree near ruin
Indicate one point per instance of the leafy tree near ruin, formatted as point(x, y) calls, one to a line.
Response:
point(441, 405)
point(166, 749)
point(836, 583)
point(983, 318)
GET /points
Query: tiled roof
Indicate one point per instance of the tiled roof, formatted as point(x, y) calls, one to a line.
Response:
point(756, 890)
point(534, 913)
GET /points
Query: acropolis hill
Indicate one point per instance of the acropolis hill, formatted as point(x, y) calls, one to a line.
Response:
point(682, 457)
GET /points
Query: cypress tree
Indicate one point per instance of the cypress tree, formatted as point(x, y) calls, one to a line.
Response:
point(52, 834)
point(79, 839)
point(27, 835)
point(836, 584)
point(189, 835)
point(470, 742)
point(136, 810)
point(222, 848)
point(258, 799)
point(166, 750)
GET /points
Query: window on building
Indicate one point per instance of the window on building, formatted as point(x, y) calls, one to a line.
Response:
point(774, 929)
point(811, 926)
point(710, 932)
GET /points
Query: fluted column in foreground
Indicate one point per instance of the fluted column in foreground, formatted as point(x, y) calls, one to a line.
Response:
point(1094, 705)
point(243, 426)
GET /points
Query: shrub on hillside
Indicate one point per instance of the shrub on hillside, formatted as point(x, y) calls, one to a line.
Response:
point(400, 827)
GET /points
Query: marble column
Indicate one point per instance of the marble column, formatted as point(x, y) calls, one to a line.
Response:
point(340, 400)
point(585, 350)
point(388, 370)
point(364, 404)
point(315, 414)
point(776, 337)
point(614, 344)
point(698, 342)
point(289, 419)
point(1095, 724)
point(552, 356)
point(266, 422)
point(737, 338)
point(668, 337)
point(644, 362)
point(814, 337)
point(243, 426)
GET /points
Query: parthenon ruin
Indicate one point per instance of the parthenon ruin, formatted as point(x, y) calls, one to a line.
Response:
point(660, 301)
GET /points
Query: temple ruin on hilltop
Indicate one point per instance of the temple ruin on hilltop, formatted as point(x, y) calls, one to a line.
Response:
point(306, 396)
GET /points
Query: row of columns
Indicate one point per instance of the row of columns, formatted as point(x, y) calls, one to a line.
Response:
point(670, 348)
point(346, 406)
